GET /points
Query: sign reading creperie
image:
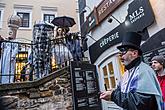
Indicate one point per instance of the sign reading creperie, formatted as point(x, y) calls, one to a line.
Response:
point(106, 7)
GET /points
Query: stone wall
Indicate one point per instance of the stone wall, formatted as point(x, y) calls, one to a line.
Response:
point(50, 93)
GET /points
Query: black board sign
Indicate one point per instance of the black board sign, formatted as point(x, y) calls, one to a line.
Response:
point(140, 15)
point(154, 42)
point(112, 38)
point(155, 45)
point(149, 55)
point(85, 87)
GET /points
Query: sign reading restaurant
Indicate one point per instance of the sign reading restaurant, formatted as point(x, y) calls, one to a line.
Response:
point(106, 7)
point(102, 11)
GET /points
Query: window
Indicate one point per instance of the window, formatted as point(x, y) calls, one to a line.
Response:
point(121, 66)
point(25, 12)
point(25, 17)
point(109, 77)
point(48, 13)
point(1, 17)
point(48, 17)
point(21, 60)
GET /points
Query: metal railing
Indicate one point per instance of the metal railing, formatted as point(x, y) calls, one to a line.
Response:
point(32, 61)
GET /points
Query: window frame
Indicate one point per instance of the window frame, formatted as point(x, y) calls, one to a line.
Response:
point(49, 17)
point(30, 16)
point(22, 21)
point(48, 12)
point(109, 75)
point(1, 17)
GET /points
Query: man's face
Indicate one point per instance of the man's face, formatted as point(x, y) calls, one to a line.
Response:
point(128, 55)
point(156, 65)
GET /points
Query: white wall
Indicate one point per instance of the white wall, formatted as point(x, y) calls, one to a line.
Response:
point(158, 7)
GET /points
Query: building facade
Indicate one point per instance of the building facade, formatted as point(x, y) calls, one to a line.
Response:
point(32, 11)
point(105, 22)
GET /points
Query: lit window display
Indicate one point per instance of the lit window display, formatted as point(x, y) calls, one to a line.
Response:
point(121, 66)
point(21, 60)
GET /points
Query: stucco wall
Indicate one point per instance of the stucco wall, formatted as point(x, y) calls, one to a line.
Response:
point(158, 7)
point(64, 7)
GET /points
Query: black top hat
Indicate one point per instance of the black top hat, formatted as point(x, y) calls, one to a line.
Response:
point(131, 40)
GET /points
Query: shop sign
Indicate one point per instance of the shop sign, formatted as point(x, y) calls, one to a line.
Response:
point(140, 15)
point(85, 87)
point(157, 41)
point(112, 38)
point(92, 20)
point(106, 7)
point(157, 48)
point(149, 55)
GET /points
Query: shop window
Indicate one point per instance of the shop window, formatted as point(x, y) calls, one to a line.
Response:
point(112, 79)
point(106, 80)
point(109, 77)
point(21, 61)
point(105, 71)
point(121, 66)
point(54, 64)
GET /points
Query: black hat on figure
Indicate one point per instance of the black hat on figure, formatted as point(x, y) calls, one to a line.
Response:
point(131, 40)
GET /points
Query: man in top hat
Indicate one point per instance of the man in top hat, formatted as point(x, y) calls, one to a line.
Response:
point(139, 88)
point(158, 64)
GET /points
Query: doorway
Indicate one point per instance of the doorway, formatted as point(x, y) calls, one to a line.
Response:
point(110, 73)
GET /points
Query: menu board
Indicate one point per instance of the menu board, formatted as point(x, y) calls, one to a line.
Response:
point(85, 87)
point(147, 56)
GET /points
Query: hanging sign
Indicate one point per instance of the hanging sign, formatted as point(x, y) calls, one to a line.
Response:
point(106, 7)
point(140, 15)
point(112, 38)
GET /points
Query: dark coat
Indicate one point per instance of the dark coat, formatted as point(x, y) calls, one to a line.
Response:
point(146, 93)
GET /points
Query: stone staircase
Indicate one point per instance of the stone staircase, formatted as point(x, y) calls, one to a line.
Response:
point(53, 92)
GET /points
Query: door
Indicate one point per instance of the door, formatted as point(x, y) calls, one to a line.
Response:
point(109, 76)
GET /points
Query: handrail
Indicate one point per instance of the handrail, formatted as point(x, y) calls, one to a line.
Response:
point(36, 83)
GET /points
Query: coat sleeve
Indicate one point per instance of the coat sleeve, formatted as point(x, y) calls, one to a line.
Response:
point(134, 100)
